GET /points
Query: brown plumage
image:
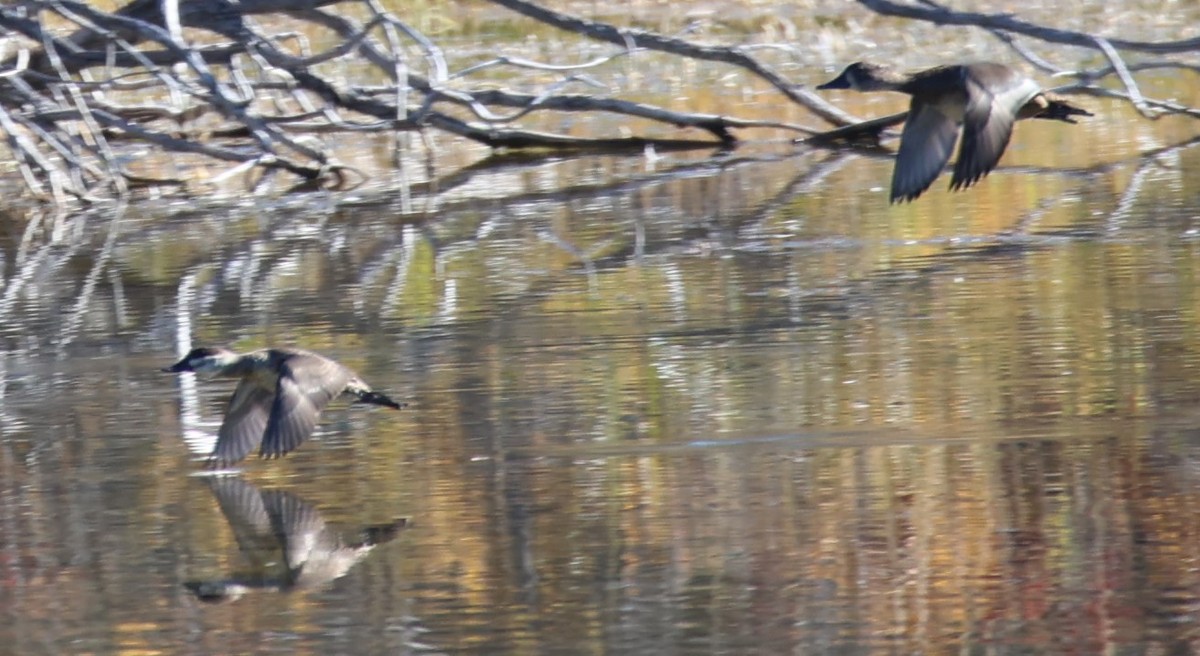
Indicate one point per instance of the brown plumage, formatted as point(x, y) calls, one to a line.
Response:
point(287, 542)
point(982, 99)
point(279, 399)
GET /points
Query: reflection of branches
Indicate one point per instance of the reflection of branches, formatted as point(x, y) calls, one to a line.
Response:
point(72, 321)
point(379, 264)
point(37, 261)
point(1137, 181)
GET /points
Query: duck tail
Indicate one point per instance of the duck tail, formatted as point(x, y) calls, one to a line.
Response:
point(382, 533)
point(375, 398)
point(1061, 110)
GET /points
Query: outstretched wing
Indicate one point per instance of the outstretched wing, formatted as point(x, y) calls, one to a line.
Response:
point(306, 384)
point(299, 527)
point(245, 419)
point(925, 144)
point(987, 127)
point(242, 505)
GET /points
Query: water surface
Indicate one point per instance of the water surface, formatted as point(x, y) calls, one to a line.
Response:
point(710, 403)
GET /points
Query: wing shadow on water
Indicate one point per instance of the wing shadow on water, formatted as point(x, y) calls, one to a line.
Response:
point(288, 543)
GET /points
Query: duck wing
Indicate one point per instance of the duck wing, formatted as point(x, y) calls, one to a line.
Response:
point(242, 505)
point(245, 419)
point(987, 127)
point(306, 384)
point(300, 528)
point(925, 144)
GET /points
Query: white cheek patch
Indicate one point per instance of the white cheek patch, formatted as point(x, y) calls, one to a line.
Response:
point(204, 365)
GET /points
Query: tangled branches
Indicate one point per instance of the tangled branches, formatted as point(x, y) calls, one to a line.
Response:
point(250, 101)
point(161, 94)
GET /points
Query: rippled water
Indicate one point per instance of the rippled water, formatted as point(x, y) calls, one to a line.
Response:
point(730, 405)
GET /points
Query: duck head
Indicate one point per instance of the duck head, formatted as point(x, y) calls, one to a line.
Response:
point(204, 360)
point(862, 76)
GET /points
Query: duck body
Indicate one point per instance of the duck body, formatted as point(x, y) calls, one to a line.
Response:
point(276, 405)
point(287, 541)
point(982, 100)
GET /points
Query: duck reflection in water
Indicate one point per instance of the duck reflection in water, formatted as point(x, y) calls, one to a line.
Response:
point(290, 545)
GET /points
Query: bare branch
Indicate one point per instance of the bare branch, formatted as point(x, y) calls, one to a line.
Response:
point(253, 102)
point(933, 13)
point(629, 38)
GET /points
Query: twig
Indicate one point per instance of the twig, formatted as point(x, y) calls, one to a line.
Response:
point(638, 38)
point(1005, 22)
point(1131, 87)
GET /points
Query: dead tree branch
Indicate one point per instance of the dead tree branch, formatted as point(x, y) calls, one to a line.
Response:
point(214, 89)
point(254, 102)
point(1007, 27)
point(1007, 22)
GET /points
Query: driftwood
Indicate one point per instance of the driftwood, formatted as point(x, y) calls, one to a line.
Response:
point(204, 79)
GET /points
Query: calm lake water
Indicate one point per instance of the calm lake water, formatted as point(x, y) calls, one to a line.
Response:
point(704, 404)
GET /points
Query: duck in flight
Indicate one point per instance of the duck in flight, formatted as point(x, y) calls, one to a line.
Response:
point(279, 399)
point(983, 100)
